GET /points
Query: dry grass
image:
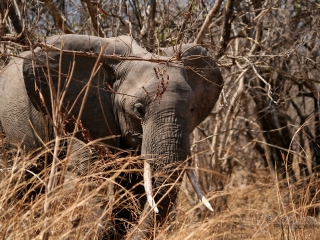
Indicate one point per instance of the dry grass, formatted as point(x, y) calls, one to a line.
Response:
point(269, 208)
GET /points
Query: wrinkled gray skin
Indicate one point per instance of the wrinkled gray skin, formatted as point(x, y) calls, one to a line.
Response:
point(156, 124)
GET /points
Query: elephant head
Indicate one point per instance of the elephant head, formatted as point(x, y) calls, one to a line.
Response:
point(152, 102)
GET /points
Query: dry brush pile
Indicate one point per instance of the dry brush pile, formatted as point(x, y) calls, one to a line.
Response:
point(256, 156)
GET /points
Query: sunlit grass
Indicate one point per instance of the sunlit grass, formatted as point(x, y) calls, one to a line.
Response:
point(81, 205)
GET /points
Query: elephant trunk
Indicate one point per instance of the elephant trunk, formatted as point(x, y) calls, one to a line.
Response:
point(165, 148)
point(165, 142)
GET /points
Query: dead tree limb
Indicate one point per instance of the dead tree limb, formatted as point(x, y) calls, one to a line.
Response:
point(59, 18)
point(314, 145)
point(93, 10)
point(147, 31)
point(205, 26)
point(14, 17)
point(226, 28)
point(184, 24)
point(9, 9)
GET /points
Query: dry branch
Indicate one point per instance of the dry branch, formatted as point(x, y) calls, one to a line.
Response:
point(18, 24)
point(93, 10)
point(13, 15)
point(147, 31)
point(60, 19)
point(185, 21)
point(205, 26)
point(157, 59)
point(226, 28)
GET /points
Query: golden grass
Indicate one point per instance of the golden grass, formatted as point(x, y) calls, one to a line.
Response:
point(267, 209)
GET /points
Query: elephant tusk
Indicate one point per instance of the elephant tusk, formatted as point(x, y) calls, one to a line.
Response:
point(194, 182)
point(148, 186)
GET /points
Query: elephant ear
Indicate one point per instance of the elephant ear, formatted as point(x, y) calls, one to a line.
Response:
point(204, 78)
point(78, 55)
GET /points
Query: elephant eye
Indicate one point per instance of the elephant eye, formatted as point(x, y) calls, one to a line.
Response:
point(139, 110)
point(192, 110)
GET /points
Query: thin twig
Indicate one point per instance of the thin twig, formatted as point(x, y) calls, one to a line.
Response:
point(269, 92)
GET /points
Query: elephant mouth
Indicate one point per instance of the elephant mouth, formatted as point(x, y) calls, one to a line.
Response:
point(147, 173)
point(134, 139)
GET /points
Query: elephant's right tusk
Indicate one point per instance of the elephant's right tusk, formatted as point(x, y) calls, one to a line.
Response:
point(194, 182)
point(148, 186)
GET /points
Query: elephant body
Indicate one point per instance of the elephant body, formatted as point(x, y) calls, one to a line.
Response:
point(136, 100)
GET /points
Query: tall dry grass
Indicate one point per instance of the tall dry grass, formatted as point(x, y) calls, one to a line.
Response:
point(81, 205)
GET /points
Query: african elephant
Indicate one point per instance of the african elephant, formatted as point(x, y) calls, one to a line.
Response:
point(151, 102)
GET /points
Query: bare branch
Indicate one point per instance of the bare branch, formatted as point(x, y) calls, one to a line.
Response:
point(226, 28)
point(93, 10)
point(147, 31)
point(60, 19)
point(14, 17)
point(184, 24)
point(17, 23)
point(207, 21)
point(156, 59)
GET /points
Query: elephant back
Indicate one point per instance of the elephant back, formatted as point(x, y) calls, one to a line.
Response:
point(21, 122)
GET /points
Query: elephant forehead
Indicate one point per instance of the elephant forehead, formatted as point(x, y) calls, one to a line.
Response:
point(145, 78)
point(147, 69)
point(167, 87)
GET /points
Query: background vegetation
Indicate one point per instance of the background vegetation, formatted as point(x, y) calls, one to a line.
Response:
point(257, 155)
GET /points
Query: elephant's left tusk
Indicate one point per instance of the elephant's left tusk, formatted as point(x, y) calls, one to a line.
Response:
point(148, 186)
point(194, 182)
